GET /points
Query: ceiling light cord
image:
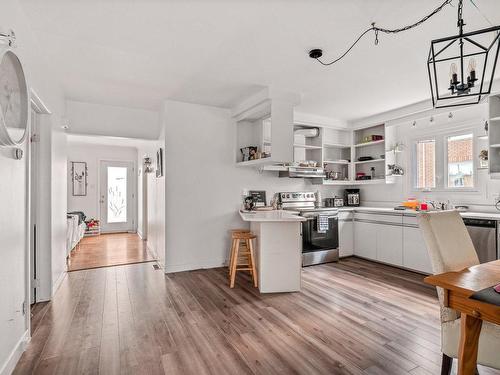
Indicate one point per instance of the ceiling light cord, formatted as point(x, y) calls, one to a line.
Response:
point(377, 29)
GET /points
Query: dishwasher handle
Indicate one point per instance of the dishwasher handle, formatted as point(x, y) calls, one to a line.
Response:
point(481, 223)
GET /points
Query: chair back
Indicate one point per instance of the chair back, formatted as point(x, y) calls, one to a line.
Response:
point(448, 242)
point(449, 247)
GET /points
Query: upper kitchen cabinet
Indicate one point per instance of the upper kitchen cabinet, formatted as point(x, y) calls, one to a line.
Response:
point(359, 157)
point(337, 156)
point(369, 154)
point(264, 128)
point(494, 135)
point(307, 148)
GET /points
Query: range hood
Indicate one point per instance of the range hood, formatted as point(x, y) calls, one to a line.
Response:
point(302, 172)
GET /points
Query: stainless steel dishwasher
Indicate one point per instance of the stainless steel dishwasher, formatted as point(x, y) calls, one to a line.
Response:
point(484, 235)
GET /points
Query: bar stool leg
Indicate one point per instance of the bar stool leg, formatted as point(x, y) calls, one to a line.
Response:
point(231, 255)
point(252, 263)
point(234, 263)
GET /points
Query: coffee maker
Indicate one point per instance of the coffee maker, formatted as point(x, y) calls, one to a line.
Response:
point(352, 197)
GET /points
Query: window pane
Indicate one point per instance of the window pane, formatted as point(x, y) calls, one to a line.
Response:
point(117, 195)
point(460, 162)
point(426, 164)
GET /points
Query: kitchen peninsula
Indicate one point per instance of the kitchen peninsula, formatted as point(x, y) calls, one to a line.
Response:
point(278, 249)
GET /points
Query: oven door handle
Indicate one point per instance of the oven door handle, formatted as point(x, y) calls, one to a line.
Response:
point(312, 217)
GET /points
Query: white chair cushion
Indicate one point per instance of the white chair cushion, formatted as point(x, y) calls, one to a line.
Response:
point(449, 246)
point(489, 342)
point(448, 242)
point(450, 249)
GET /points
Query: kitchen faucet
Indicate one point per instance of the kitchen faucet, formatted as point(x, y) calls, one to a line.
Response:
point(439, 205)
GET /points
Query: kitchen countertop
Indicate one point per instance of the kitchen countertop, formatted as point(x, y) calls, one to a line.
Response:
point(467, 214)
point(283, 215)
point(268, 216)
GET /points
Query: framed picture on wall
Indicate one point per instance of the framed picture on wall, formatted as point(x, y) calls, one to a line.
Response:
point(79, 178)
point(159, 163)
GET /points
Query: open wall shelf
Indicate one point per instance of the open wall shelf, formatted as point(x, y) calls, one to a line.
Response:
point(494, 136)
point(342, 148)
point(264, 124)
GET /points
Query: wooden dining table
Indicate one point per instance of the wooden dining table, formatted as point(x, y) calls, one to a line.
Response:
point(458, 287)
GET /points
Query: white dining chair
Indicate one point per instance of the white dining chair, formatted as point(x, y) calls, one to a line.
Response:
point(450, 249)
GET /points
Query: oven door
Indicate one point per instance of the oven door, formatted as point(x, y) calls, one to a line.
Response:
point(312, 240)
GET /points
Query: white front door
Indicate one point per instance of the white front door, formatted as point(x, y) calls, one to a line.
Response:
point(117, 195)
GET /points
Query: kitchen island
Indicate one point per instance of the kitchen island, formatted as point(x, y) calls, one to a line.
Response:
point(278, 250)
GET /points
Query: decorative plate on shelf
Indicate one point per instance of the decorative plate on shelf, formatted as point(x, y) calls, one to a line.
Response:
point(14, 100)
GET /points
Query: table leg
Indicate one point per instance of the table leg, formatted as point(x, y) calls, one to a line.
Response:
point(470, 328)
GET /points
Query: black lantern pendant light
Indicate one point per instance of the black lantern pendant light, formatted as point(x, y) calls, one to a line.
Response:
point(462, 67)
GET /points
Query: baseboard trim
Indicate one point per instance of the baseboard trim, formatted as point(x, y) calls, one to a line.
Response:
point(194, 266)
point(391, 265)
point(151, 251)
point(9, 365)
point(58, 282)
point(132, 231)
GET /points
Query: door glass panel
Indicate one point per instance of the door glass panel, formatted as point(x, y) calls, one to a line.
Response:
point(117, 194)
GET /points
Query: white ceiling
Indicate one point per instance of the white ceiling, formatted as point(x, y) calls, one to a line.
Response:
point(138, 53)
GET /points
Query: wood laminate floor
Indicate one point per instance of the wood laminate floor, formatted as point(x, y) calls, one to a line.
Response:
point(108, 250)
point(352, 317)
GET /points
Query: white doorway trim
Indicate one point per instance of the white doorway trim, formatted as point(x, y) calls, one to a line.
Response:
point(33, 270)
point(143, 230)
point(131, 226)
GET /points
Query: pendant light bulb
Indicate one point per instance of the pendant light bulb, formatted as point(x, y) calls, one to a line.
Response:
point(472, 69)
point(472, 64)
point(453, 73)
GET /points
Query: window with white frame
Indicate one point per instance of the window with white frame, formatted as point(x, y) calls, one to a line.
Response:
point(460, 161)
point(426, 164)
point(444, 161)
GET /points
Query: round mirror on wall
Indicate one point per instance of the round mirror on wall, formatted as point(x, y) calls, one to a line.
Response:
point(14, 100)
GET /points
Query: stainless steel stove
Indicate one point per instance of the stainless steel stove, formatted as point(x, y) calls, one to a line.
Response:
point(320, 236)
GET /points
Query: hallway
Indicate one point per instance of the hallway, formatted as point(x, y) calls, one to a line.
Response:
point(109, 250)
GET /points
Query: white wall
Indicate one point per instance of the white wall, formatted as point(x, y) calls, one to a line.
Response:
point(389, 195)
point(203, 186)
point(98, 119)
point(13, 200)
point(92, 154)
point(13, 195)
point(153, 228)
point(58, 206)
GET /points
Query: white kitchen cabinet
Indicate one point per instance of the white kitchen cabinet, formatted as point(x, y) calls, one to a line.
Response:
point(346, 234)
point(390, 244)
point(365, 240)
point(391, 238)
point(415, 255)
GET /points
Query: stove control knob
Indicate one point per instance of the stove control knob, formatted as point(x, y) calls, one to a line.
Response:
point(288, 195)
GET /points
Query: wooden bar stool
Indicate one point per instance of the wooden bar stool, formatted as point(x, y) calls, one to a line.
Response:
point(231, 252)
point(237, 251)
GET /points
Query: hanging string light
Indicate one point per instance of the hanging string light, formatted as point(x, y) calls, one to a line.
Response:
point(480, 48)
point(318, 53)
